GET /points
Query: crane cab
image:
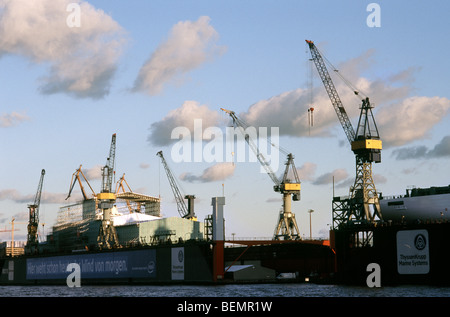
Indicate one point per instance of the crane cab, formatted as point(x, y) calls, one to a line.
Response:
point(370, 149)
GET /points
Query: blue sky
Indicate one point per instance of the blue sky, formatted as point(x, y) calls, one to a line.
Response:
point(141, 68)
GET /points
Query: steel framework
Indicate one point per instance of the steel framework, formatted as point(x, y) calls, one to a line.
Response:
point(363, 204)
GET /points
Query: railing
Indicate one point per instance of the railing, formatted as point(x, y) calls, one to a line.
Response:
point(247, 238)
point(231, 239)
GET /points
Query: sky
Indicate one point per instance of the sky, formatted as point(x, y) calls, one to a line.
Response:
point(72, 73)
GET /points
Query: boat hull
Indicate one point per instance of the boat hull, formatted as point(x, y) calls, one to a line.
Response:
point(416, 208)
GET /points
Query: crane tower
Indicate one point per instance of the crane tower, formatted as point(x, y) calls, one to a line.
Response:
point(107, 236)
point(363, 205)
point(33, 223)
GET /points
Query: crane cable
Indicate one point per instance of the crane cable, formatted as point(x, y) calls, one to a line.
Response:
point(355, 90)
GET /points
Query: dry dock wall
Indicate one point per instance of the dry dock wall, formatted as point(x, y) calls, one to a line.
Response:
point(180, 263)
point(406, 254)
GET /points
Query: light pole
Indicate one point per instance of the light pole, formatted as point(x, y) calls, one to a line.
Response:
point(310, 211)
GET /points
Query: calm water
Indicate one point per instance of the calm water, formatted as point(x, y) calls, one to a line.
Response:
point(259, 290)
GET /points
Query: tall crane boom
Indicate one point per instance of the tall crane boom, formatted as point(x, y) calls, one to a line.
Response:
point(108, 169)
point(367, 128)
point(332, 92)
point(262, 160)
point(363, 204)
point(184, 211)
point(33, 223)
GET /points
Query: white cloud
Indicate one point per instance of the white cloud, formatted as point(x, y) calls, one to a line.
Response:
point(288, 111)
point(400, 118)
point(161, 131)
point(46, 197)
point(410, 120)
point(12, 119)
point(217, 172)
point(189, 45)
point(93, 172)
point(327, 178)
point(82, 60)
point(307, 171)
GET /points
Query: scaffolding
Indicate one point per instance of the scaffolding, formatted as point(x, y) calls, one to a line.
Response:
point(126, 203)
point(75, 221)
point(134, 202)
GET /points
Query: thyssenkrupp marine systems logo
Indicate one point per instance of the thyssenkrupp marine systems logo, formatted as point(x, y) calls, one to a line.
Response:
point(420, 242)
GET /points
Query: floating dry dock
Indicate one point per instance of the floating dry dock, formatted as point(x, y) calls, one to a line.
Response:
point(406, 254)
point(410, 246)
point(157, 250)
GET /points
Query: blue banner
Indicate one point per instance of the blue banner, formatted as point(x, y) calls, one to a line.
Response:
point(125, 264)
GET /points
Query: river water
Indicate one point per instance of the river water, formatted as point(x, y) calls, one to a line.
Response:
point(225, 291)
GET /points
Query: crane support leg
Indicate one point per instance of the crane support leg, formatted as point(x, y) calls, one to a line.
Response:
point(107, 236)
point(287, 225)
point(363, 204)
point(369, 208)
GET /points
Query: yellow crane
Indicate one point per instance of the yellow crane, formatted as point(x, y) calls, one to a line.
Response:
point(120, 186)
point(287, 225)
point(76, 178)
point(107, 236)
point(363, 204)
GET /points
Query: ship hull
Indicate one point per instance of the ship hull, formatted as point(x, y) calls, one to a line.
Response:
point(416, 209)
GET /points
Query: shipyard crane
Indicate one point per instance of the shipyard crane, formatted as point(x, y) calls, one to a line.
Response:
point(107, 198)
point(33, 223)
point(287, 225)
point(120, 186)
point(363, 204)
point(108, 169)
point(184, 211)
point(76, 178)
point(11, 252)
